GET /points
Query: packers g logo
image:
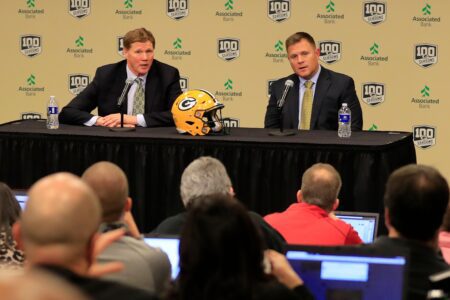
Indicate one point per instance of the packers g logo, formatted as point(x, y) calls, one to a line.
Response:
point(187, 103)
point(330, 51)
point(184, 83)
point(278, 10)
point(424, 136)
point(228, 48)
point(77, 83)
point(425, 55)
point(177, 9)
point(120, 45)
point(374, 12)
point(79, 8)
point(30, 45)
point(373, 93)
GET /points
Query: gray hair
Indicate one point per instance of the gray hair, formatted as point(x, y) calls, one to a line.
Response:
point(321, 184)
point(204, 176)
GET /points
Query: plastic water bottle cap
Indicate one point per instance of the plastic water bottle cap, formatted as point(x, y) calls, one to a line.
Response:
point(344, 104)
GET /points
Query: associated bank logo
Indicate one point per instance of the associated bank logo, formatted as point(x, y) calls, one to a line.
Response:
point(128, 12)
point(79, 8)
point(228, 93)
point(30, 88)
point(330, 17)
point(31, 11)
point(374, 12)
point(177, 53)
point(30, 116)
point(278, 55)
point(230, 122)
point(373, 93)
point(30, 45)
point(330, 51)
point(120, 45)
point(425, 101)
point(374, 127)
point(229, 13)
point(177, 9)
point(424, 17)
point(228, 49)
point(278, 10)
point(374, 59)
point(184, 84)
point(424, 136)
point(425, 55)
point(78, 82)
point(79, 51)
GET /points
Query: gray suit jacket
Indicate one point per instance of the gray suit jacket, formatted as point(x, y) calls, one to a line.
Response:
point(146, 267)
point(331, 91)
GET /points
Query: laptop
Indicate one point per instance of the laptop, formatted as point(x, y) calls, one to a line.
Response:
point(21, 196)
point(365, 223)
point(351, 273)
point(170, 246)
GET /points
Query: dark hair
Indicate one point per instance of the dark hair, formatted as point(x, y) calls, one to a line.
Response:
point(221, 252)
point(417, 198)
point(446, 222)
point(9, 211)
point(297, 37)
point(140, 35)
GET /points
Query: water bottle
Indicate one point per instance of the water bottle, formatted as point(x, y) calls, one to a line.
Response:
point(344, 121)
point(52, 114)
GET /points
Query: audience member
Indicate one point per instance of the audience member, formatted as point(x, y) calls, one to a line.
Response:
point(58, 231)
point(415, 202)
point(311, 221)
point(205, 176)
point(145, 267)
point(444, 237)
point(10, 256)
point(222, 257)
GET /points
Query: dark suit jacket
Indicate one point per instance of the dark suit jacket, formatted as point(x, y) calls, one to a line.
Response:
point(161, 89)
point(331, 91)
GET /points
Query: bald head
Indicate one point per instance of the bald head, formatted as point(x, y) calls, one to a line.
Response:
point(321, 184)
point(62, 211)
point(111, 186)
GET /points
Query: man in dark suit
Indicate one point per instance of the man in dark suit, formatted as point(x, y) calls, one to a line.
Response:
point(328, 91)
point(153, 91)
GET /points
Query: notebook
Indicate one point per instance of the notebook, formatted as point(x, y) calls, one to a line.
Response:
point(366, 224)
point(351, 273)
point(169, 245)
point(21, 196)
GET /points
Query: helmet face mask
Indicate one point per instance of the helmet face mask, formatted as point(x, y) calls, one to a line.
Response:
point(197, 112)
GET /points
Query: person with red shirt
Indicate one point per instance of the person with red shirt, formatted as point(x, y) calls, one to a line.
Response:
point(311, 221)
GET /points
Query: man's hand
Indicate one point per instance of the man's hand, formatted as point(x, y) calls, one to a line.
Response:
point(113, 120)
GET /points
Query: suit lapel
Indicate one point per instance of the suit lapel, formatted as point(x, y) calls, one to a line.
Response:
point(120, 84)
point(150, 87)
point(323, 83)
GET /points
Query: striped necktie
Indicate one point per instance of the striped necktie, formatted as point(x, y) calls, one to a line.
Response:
point(139, 98)
point(307, 106)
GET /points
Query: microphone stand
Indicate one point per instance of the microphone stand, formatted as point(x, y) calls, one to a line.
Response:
point(120, 102)
point(281, 132)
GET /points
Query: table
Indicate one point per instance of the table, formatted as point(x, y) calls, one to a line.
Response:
point(265, 170)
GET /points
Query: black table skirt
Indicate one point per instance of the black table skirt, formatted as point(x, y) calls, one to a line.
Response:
point(265, 170)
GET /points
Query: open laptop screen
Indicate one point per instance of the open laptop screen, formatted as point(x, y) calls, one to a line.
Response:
point(351, 273)
point(364, 223)
point(170, 246)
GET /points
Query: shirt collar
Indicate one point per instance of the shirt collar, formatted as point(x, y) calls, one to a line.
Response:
point(131, 75)
point(313, 79)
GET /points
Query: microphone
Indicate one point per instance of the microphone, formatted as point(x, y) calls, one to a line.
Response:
point(126, 89)
point(287, 85)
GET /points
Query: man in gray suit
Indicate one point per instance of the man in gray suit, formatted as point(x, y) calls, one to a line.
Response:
point(328, 91)
point(144, 267)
